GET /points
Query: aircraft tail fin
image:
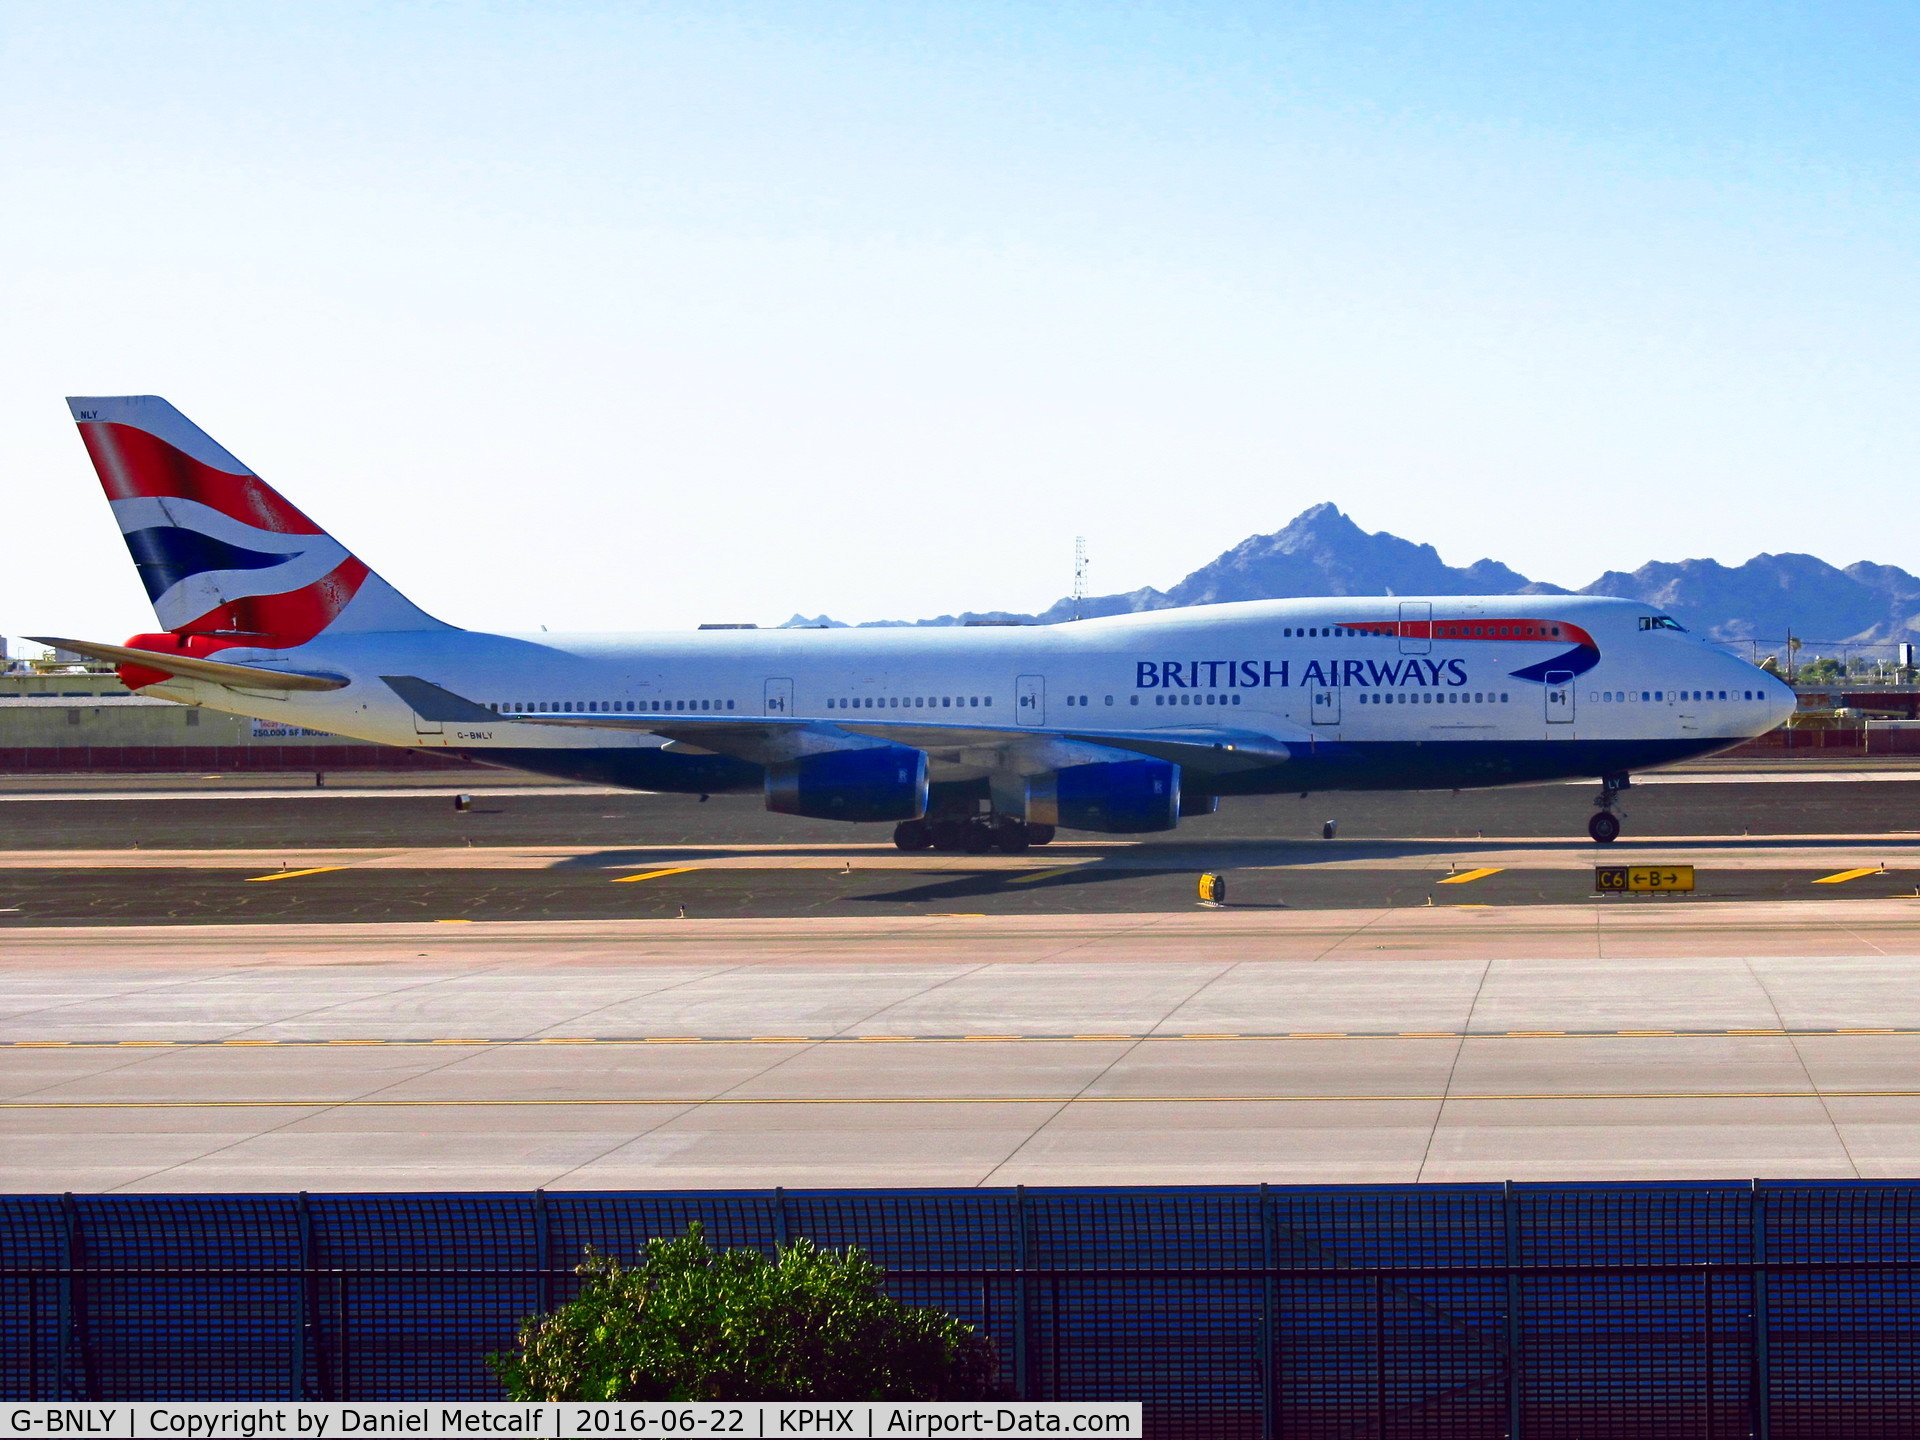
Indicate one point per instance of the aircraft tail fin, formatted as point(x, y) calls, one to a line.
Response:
point(223, 555)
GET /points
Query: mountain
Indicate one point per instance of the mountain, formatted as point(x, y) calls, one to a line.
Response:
point(1772, 595)
point(1322, 552)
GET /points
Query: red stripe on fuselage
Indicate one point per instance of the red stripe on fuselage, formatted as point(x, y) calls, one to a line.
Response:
point(134, 463)
point(1552, 631)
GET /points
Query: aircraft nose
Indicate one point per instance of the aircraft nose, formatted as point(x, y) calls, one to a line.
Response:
point(1781, 701)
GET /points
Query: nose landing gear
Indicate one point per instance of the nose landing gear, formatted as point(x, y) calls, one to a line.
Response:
point(1604, 825)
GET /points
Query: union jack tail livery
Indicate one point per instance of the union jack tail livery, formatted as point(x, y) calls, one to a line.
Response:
point(226, 560)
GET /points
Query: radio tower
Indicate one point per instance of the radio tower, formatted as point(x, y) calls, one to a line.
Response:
point(1079, 573)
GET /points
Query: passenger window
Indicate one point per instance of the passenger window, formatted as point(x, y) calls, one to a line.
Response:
point(1133, 700)
point(1236, 699)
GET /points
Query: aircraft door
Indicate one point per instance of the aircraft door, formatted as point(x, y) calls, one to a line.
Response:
point(779, 697)
point(1416, 627)
point(1559, 697)
point(1326, 705)
point(1030, 699)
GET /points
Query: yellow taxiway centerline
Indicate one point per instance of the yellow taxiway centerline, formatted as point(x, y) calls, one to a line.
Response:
point(290, 874)
point(1467, 876)
point(1846, 875)
point(694, 1101)
point(656, 874)
point(497, 1042)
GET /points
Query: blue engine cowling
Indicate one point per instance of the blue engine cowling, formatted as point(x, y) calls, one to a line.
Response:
point(882, 782)
point(1120, 797)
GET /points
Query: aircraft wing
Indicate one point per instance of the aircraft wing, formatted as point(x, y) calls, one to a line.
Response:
point(756, 738)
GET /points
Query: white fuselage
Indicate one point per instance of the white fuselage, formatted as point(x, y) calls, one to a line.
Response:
point(1329, 676)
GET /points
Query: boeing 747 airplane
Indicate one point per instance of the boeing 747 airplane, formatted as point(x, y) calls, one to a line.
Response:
point(966, 738)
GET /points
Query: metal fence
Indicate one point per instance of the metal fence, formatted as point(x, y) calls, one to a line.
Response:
point(1770, 1309)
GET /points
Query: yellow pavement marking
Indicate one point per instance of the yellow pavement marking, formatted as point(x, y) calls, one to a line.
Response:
point(1845, 875)
point(995, 1038)
point(1527, 1097)
point(1466, 876)
point(656, 874)
point(455, 921)
point(1028, 879)
point(290, 874)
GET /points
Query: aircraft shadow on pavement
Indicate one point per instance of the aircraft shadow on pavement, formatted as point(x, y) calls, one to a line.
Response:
point(1251, 854)
point(982, 884)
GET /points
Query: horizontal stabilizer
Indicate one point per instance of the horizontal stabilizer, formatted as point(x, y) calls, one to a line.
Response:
point(192, 667)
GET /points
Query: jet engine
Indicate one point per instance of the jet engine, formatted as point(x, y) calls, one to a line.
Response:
point(882, 782)
point(1118, 797)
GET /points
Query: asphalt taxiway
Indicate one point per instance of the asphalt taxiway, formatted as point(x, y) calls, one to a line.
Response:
point(100, 855)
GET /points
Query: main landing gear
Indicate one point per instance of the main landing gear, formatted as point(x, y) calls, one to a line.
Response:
point(973, 836)
point(1604, 826)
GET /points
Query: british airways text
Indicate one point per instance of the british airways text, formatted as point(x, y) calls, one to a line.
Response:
point(1270, 674)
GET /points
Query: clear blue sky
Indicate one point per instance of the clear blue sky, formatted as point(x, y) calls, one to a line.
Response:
point(616, 315)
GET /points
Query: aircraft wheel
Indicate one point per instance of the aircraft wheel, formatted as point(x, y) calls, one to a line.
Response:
point(1039, 834)
point(912, 835)
point(976, 838)
point(1011, 837)
point(1604, 827)
point(946, 834)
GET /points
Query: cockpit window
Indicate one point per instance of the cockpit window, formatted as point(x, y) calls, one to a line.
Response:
point(1661, 622)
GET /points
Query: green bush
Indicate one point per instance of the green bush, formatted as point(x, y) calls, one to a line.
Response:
point(693, 1323)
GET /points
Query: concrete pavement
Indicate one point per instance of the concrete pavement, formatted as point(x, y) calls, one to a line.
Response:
point(1183, 1047)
